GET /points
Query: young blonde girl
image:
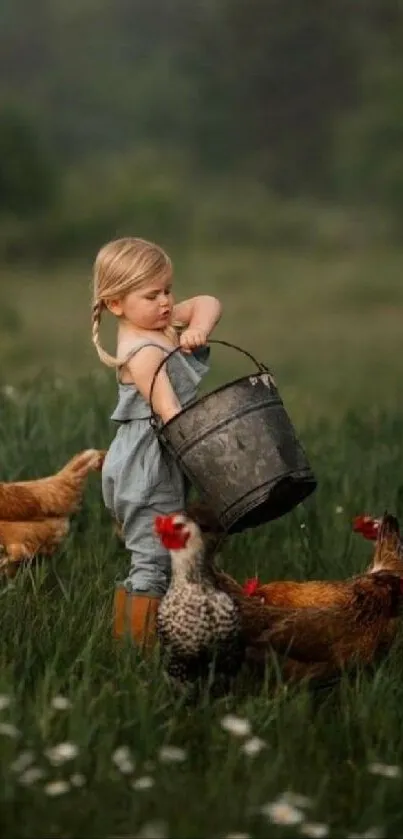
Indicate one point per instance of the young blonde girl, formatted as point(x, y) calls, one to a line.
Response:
point(133, 281)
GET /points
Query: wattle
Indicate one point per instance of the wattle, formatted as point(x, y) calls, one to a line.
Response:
point(173, 542)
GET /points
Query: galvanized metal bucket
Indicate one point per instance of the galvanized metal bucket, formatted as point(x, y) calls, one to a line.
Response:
point(239, 449)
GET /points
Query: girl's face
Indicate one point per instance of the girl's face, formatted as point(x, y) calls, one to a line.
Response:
point(149, 307)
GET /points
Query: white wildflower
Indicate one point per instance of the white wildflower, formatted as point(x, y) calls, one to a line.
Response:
point(303, 526)
point(57, 788)
point(237, 726)
point(280, 812)
point(384, 769)
point(253, 746)
point(122, 753)
point(60, 703)
point(126, 767)
point(123, 760)
point(9, 730)
point(316, 830)
point(339, 510)
point(153, 830)
point(172, 754)
point(31, 776)
point(22, 762)
point(5, 701)
point(143, 783)
point(62, 753)
point(77, 780)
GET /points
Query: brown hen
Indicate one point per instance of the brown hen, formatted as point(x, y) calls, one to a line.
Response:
point(55, 495)
point(34, 514)
point(22, 540)
point(322, 641)
point(320, 628)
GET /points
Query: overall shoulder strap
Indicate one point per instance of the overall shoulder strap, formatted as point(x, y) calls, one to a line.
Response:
point(135, 349)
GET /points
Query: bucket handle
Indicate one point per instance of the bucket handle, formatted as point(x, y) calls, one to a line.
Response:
point(261, 368)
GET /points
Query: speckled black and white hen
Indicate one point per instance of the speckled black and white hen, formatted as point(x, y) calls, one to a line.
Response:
point(198, 625)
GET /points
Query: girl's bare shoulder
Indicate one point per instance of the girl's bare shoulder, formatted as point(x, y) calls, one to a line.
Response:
point(129, 342)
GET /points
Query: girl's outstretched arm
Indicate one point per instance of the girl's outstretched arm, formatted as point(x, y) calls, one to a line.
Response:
point(142, 368)
point(200, 315)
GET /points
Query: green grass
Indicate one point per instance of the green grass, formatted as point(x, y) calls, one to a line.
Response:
point(56, 640)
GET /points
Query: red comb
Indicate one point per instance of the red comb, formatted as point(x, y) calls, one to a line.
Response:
point(367, 526)
point(171, 532)
point(164, 524)
point(251, 586)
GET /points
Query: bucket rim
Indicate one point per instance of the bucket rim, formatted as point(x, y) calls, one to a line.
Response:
point(206, 396)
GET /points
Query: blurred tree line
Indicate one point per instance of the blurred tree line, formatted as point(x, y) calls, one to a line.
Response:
point(304, 98)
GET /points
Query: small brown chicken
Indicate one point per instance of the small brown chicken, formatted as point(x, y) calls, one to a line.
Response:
point(298, 595)
point(198, 624)
point(34, 514)
point(322, 627)
point(23, 540)
point(358, 629)
point(55, 495)
point(322, 641)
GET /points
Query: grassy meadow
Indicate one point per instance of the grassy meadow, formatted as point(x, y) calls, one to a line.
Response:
point(92, 742)
point(327, 320)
